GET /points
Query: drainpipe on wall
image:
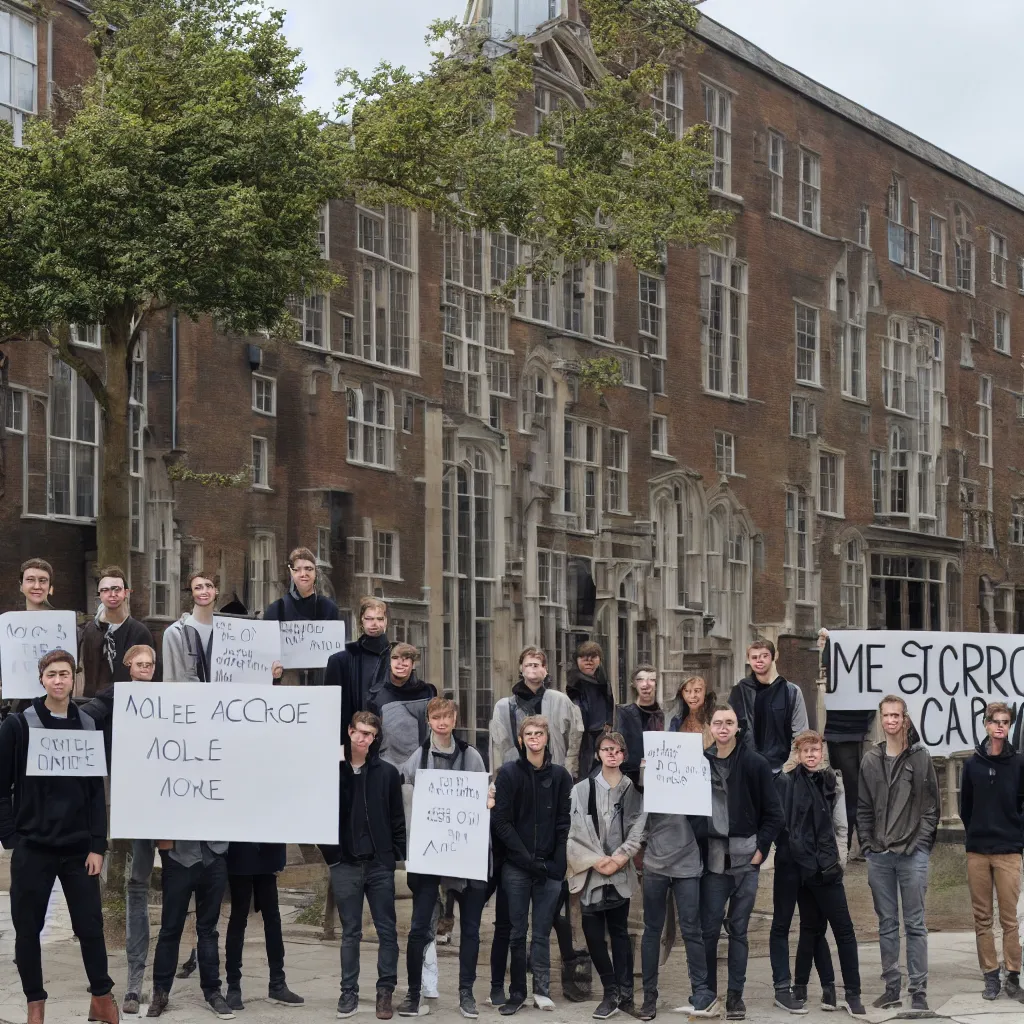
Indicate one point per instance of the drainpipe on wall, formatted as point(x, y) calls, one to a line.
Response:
point(174, 380)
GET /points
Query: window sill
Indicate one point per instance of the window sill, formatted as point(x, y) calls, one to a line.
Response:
point(268, 415)
point(262, 488)
point(664, 456)
point(1000, 352)
point(370, 465)
point(813, 385)
point(832, 515)
point(730, 196)
point(70, 520)
point(383, 367)
point(817, 232)
point(856, 401)
point(741, 399)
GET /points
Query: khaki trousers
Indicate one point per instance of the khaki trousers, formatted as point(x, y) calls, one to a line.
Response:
point(1001, 870)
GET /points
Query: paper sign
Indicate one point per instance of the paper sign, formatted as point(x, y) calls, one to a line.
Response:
point(308, 644)
point(677, 777)
point(238, 762)
point(450, 825)
point(945, 678)
point(65, 752)
point(24, 638)
point(244, 650)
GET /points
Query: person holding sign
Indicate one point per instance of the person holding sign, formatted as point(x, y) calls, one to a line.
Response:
point(531, 821)
point(605, 834)
point(188, 643)
point(992, 810)
point(371, 834)
point(443, 750)
point(810, 855)
point(769, 707)
point(361, 669)
point(745, 819)
point(633, 720)
point(302, 602)
point(57, 828)
point(897, 819)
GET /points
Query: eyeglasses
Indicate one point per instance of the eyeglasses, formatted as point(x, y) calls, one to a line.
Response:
point(143, 664)
point(110, 590)
point(1005, 722)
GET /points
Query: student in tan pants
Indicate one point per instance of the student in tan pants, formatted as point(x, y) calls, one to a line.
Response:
point(992, 810)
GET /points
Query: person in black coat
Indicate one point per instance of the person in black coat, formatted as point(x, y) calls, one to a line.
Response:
point(645, 714)
point(362, 668)
point(587, 686)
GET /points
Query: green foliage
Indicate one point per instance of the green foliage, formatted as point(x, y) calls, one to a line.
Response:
point(632, 33)
point(600, 374)
point(180, 472)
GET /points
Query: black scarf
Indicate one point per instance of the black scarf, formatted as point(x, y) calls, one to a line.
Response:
point(812, 835)
point(652, 718)
point(530, 702)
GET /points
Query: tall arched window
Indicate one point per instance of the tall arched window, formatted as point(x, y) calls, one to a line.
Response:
point(899, 469)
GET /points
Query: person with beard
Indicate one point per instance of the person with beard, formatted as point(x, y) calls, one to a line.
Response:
point(810, 856)
point(401, 705)
point(302, 602)
point(695, 704)
point(588, 688)
point(361, 669)
point(633, 720)
point(770, 709)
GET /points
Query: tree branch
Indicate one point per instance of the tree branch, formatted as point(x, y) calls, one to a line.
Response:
point(62, 346)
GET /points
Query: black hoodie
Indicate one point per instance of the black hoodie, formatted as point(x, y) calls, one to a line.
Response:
point(772, 715)
point(593, 696)
point(992, 800)
point(291, 608)
point(360, 670)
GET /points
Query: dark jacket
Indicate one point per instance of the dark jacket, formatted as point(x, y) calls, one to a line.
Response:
point(403, 717)
point(593, 696)
point(291, 608)
point(531, 815)
point(47, 812)
point(754, 808)
point(633, 721)
point(384, 810)
point(772, 714)
point(97, 671)
point(992, 800)
point(360, 670)
point(412, 689)
point(256, 858)
point(808, 838)
point(901, 814)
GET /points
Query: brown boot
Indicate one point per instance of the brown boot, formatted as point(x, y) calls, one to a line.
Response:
point(36, 1010)
point(103, 1009)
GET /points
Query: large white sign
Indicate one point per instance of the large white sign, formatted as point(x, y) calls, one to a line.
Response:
point(309, 644)
point(244, 650)
point(65, 752)
point(450, 825)
point(677, 778)
point(238, 763)
point(945, 678)
point(24, 638)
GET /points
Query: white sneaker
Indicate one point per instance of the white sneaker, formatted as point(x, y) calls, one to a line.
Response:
point(543, 1002)
point(714, 1010)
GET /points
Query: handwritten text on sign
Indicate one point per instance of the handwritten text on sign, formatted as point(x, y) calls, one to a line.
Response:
point(24, 638)
point(236, 763)
point(450, 824)
point(309, 644)
point(244, 650)
point(677, 779)
point(945, 678)
point(65, 752)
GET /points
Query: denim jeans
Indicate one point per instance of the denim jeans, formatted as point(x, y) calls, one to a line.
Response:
point(523, 889)
point(471, 907)
point(738, 891)
point(264, 888)
point(136, 939)
point(897, 878)
point(351, 882)
point(208, 882)
point(686, 892)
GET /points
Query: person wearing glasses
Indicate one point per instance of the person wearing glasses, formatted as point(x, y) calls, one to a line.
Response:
point(103, 642)
point(992, 810)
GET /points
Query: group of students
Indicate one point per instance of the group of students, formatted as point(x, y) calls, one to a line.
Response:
point(567, 826)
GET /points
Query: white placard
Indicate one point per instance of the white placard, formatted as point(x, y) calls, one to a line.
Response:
point(450, 825)
point(244, 650)
point(65, 752)
point(308, 644)
point(226, 762)
point(24, 638)
point(945, 678)
point(677, 778)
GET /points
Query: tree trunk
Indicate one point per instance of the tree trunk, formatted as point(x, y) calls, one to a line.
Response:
point(113, 540)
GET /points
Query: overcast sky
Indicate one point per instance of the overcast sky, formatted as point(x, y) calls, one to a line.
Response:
point(940, 68)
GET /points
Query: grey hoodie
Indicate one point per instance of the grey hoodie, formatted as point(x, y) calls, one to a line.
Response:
point(181, 649)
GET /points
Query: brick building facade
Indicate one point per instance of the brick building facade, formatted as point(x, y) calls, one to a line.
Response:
point(820, 420)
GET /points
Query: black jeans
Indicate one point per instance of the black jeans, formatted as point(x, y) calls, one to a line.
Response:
point(821, 904)
point(502, 935)
point(786, 894)
point(33, 872)
point(471, 907)
point(616, 971)
point(845, 758)
point(563, 926)
point(208, 882)
point(264, 888)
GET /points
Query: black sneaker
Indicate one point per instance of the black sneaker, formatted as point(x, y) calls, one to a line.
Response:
point(347, 1004)
point(828, 998)
point(497, 997)
point(512, 1005)
point(234, 997)
point(131, 1003)
point(785, 1000)
point(284, 995)
point(219, 1005)
point(800, 992)
point(409, 1006)
point(992, 985)
point(626, 1004)
point(735, 1008)
point(157, 1004)
point(1012, 984)
point(608, 1007)
point(854, 1004)
point(888, 999)
point(650, 1008)
point(467, 1004)
point(919, 1002)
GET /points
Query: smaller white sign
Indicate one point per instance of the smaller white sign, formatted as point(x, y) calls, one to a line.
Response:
point(24, 638)
point(309, 644)
point(677, 777)
point(450, 825)
point(244, 650)
point(65, 752)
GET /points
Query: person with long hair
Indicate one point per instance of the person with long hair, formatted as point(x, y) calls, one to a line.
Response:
point(695, 704)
